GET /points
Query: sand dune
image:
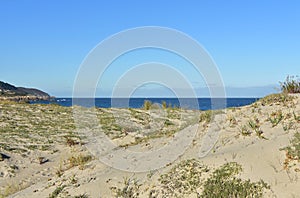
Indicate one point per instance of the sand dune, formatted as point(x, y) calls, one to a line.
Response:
point(255, 137)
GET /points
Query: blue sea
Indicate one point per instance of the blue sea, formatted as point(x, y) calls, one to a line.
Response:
point(187, 103)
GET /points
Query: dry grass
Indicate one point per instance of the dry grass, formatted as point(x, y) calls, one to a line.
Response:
point(79, 160)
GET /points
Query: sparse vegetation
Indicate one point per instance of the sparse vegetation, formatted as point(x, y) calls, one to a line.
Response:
point(245, 131)
point(288, 125)
point(12, 188)
point(274, 99)
point(81, 196)
point(232, 120)
point(183, 179)
point(206, 116)
point(296, 117)
point(35, 130)
point(255, 126)
point(147, 104)
point(276, 117)
point(79, 160)
point(130, 189)
point(25, 128)
point(192, 177)
point(293, 150)
point(164, 104)
point(60, 171)
point(57, 191)
point(290, 85)
point(224, 183)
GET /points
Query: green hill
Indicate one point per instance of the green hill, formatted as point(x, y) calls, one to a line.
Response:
point(8, 90)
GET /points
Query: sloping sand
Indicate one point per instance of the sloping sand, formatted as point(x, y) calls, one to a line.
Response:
point(257, 147)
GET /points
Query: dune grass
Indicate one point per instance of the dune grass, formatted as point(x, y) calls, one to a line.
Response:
point(292, 152)
point(290, 85)
point(192, 177)
point(224, 183)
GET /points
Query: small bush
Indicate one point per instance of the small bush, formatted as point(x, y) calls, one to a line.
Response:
point(57, 191)
point(206, 116)
point(183, 179)
point(79, 160)
point(290, 85)
point(293, 151)
point(164, 104)
point(129, 190)
point(147, 105)
point(224, 183)
point(276, 98)
point(255, 126)
point(11, 189)
point(232, 120)
point(296, 117)
point(276, 118)
point(245, 131)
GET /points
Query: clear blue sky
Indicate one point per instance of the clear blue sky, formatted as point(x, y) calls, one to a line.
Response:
point(254, 43)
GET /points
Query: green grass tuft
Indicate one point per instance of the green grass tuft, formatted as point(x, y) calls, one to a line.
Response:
point(224, 183)
point(290, 85)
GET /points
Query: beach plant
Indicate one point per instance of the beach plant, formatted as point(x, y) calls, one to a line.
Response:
point(173, 113)
point(147, 105)
point(287, 125)
point(70, 142)
point(278, 98)
point(31, 127)
point(290, 85)
point(82, 196)
point(168, 123)
point(276, 117)
point(206, 116)
point(224, 183)
point(12, 188)
point(141, 116)
point(164, 104)
point(130, 189)
point(73, 179)
point(296, 117)
point(232, 121)
point(79, 160)
point(109, 125)
point(183, 179)
point(255, 126)
point(293, 150)
point(57, 191)
point(60, 171)
point(245, 131)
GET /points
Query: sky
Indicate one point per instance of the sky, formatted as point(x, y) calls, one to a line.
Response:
point(254, 44)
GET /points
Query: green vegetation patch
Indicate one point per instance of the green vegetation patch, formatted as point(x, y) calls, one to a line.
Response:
point(28, 127)
point(292, 151)
point(290, 85)
point(280, 98)
point(192, 177)
point(224, 183)
point(183, 179)
point(130, 189)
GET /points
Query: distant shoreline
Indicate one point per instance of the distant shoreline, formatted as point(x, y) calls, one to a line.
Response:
point(186, 103)
point(25, 98)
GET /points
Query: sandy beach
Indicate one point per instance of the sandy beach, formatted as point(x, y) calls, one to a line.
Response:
point(43, 156)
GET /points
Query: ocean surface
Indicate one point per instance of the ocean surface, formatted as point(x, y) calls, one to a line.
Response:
point(187, 103)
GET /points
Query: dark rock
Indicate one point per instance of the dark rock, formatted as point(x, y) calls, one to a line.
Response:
point(3, 157)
